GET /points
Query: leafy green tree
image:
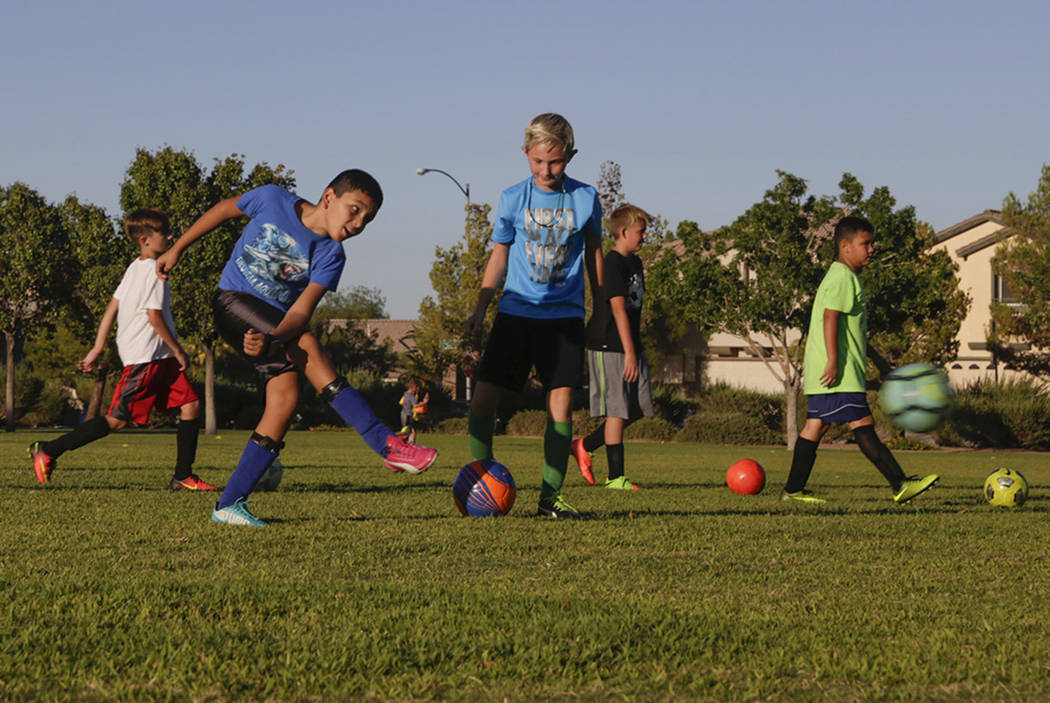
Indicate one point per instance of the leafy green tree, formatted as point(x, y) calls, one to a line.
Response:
point(441, 341)
point(357, 303)
point(348, 346)
point(34, 280)
point(173, 181)
point(756, 279)
point(102, 253)
point(1023, 263)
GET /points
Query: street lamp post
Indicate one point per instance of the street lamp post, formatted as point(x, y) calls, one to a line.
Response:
point(465, 189)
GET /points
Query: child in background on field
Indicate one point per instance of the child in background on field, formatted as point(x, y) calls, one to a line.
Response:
point(413, 403)
point(289, 254)
point(619, 374)
point(154, 363)
point(835, 370)
point(547, 232)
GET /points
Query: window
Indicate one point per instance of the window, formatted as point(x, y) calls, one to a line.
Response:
point(1001, 292)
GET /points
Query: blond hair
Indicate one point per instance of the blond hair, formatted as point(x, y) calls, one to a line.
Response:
point(550, 127)
point(625, 216)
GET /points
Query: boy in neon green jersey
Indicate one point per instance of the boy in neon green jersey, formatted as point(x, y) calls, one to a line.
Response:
point(834, 369)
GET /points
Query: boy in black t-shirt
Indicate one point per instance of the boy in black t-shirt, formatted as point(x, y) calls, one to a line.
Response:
point(619, 374)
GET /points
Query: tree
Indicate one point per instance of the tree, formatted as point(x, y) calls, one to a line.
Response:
point(348, 346)
point(456, 277)
point(175, 182)
point(1023, 263)
point(102, 253)
point(358, 303)
point(758, 277)
point(34, 280)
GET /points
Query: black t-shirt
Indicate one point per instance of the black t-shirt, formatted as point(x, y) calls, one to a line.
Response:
point(624, 278)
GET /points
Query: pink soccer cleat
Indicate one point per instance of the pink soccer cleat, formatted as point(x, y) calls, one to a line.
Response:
point(410, 458)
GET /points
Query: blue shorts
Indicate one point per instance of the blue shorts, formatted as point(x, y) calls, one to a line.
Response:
point(837, 407)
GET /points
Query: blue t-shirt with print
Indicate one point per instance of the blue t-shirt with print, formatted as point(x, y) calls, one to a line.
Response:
point(546, 232)
point(276, 255)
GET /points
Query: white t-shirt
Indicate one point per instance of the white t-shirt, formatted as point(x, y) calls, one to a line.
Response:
point(140, 290)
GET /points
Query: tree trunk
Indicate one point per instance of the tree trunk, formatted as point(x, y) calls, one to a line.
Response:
point(10, 402)
point(209, 389)
point(95, 403)
point(791, 413)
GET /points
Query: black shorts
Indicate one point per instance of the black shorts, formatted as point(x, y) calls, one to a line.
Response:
point(516, 344)
point(235, 314)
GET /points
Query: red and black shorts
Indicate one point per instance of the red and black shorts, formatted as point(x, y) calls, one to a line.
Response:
point(516, 344)
point(235, 314)
point(141, 386)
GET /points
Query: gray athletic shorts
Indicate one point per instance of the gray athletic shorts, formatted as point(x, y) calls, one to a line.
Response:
point(611, 396)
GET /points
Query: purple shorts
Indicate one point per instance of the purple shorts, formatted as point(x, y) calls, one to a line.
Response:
point(837, 407)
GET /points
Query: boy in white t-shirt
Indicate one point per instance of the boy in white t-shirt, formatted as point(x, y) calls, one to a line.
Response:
point(154, 363)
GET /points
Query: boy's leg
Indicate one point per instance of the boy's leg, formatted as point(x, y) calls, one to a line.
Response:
point(187, 433)
point(45, 454)
point(805, 456)
point(556, 441)
point(282, 396)
point(481, 421)
point(398, 455)
point(877, 452)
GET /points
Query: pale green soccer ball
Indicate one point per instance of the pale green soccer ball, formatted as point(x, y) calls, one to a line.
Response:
point(1006, 488)
point(271, 479)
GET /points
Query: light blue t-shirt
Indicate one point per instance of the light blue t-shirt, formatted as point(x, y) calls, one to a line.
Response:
point(276, 256)
point(546, 233)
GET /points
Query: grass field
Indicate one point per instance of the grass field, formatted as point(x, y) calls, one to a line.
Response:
point(368, 584)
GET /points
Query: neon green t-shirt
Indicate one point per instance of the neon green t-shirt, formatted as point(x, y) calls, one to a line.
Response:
point(840, 290)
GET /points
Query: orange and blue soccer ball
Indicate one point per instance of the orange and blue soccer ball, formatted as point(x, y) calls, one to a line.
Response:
point(484, 488)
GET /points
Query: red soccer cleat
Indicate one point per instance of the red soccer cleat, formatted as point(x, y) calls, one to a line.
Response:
point(43, 464)
point(583, 458)
point(192, 483)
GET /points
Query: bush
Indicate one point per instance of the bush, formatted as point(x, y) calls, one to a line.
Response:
point(583, 424)
point(452, 425)
point(1008, 414)
point(45, 403)
point(527, 423)
point(656, 429)
point(727, 427)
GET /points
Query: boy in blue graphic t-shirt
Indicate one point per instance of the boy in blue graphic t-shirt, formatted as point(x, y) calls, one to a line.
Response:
point(288, 256)
point(547, 233)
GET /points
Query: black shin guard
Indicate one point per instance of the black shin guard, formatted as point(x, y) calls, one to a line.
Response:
point(801, 464)
point(614, 455)
point(879, 455)
point(186, 434)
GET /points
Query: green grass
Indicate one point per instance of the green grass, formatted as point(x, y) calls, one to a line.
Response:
point(368, 584)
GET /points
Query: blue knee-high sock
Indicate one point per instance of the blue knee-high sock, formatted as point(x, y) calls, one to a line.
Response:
point(356, 413)
point(253, 464)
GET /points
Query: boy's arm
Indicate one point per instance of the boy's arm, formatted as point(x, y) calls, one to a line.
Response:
point(831, 343)
point(623, 328)
point(105, 326)
point(593, 260)
point(494, 270)
point(156, 318)
point(215, 216)
point(291, 326)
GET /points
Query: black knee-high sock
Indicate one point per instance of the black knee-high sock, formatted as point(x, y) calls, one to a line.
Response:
point(595, 439)
point(879, 455)
point(186, 433)
point(614, 455)
point(82, 434)
point(801, 464)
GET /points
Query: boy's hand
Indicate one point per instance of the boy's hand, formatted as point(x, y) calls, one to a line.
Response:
point(831, 373)
point(180, 356)
point(254, 343)
point(630, 367)
point(87, 364)
point(475, 325)
point(166, 262)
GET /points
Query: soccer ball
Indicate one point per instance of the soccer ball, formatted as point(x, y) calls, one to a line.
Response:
point(916, 397)
point(1006, 488)
point(271, 479)
point(484, 488)
point(746, 477)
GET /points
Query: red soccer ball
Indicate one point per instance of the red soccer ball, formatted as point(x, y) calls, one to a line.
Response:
point(746, 477)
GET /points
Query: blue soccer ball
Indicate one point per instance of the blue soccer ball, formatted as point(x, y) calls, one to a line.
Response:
point(484, 488)
point(916, 397)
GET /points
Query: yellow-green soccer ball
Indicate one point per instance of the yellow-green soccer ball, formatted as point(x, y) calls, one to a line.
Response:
point(1006, 488)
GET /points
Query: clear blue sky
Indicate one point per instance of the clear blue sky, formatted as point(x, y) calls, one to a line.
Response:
point(699, 102)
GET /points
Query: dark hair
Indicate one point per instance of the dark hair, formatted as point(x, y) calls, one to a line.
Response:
point(355, 179)
point(849, 227)
point(146, 221)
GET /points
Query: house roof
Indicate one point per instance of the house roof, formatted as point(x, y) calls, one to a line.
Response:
point(968, 224)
